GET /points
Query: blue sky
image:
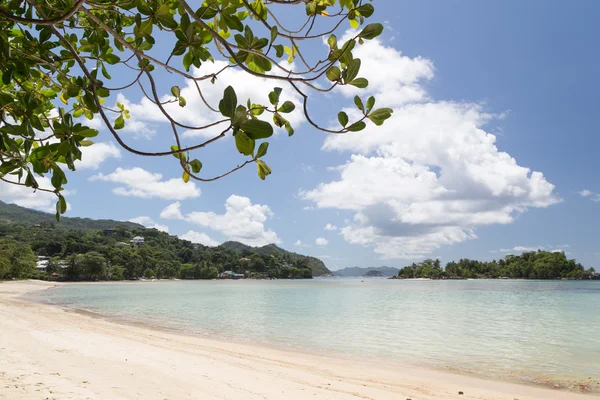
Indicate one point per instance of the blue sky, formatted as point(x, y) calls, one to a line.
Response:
point(432, 182)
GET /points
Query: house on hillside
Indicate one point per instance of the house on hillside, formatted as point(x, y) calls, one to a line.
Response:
point(42, 263)
point(137, 240)
point(230, 275)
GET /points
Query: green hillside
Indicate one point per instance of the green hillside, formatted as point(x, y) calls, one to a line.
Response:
point(12, 213)
point(317, 266)
point(102, 249)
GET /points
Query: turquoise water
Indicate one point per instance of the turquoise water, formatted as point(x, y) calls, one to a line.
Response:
point(536, 331)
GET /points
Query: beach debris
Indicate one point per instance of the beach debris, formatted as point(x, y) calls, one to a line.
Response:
point(460, 393)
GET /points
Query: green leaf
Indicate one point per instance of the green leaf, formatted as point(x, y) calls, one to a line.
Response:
point(286, 107)
point(185, 177)
point(258, 63)
point(229, 102)
point(370, 103)
point(257, 129)
point(354, 23)
point(111, 58)
point(207, 12)
point(357, 126)
point(233, 22)
point(262, 150)
point(244, 143)
point(380, 115)
point(86, 143)
point(288, 128)
point(332, 42)
point(359, 103)
point(274, 95)
point(119, 122)
point(371, 31)
point(164, 16)
point(177, 155)
point(58, 177)
point(176, 91)
point(343, 118)
point(274, 33)
point(196, 166)
point(366, 10)
point(360, 83)
point(352, 70)
point(188, 59)
point(61, 205)
point(278, 50)
point(88, 132)
point(333, 73)
point(263, 169)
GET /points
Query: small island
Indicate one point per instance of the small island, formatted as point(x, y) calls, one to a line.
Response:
point(529, 265)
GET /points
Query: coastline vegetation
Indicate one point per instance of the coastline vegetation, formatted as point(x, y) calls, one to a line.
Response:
point(92, 255)
point(529, 265)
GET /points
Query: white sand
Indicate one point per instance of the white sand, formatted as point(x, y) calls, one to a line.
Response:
point(48, 353)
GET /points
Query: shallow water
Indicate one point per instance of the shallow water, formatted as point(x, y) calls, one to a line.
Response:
point(537, 331)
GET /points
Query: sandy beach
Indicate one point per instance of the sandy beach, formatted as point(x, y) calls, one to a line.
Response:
point(49, 353)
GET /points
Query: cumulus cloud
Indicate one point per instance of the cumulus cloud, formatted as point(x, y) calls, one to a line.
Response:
point(138, 182)
point(592, 195)
point(242, 221)
point(30, 198)
point(321, 241)
point(199, 237)
point(172, 211)
point(330, 227)
point(149, 223)
point(430, 175)
point(146, 117)
point(93, 156)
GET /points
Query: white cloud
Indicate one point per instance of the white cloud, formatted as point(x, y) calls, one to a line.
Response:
point(149, 223)
point(199, 237)
point(321, 241)
point(30, 198)
point(172, 211)
point(96, 154)
point(430, 175)
point(330, 227)
point(592, 195)
point(524, 249)
point(298, 243)
point(145, 116)
point(242, 221)
point(138, 182)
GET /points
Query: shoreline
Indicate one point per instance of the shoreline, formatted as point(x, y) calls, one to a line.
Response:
point(79, 356)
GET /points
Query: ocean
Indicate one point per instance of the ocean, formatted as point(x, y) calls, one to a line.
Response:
point(543, 332)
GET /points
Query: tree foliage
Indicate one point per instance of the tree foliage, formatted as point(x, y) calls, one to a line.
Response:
point(529, 265)
point(58, 59)
point(77, 255)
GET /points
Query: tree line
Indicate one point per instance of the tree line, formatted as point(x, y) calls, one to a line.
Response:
point(77, 255)
point(529, 265)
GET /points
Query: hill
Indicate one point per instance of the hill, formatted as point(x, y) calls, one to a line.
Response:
point(317, 266)
point(374, 274)
point(358, 271)
point(167, 256)
point(12, 213)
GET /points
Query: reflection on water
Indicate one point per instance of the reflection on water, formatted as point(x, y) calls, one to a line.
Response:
point(542, 331)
